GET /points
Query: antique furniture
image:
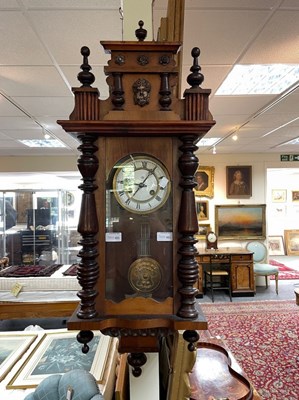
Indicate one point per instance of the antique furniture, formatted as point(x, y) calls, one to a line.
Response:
point(217, 375)
point(217, 275)
point(241, 268)
point(138, 215)
point(260, 266)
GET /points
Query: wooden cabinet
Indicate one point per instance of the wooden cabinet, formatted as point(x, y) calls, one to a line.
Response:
point(242, 274)
point(241, 262)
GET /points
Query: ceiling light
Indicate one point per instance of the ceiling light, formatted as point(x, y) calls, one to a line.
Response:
point(47, 136)
point(235, 137)
point(214, 150)
point(259, 79)
point(42, 143)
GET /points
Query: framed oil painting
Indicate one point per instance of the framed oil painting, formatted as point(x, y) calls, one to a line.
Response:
point(204, 178)
point(291, 238)
point(238, 181)
point(279, 195)
point(59, 352)
point(276, 246)
point(203, 229)
point(240, 222)
point(202, 210)
point(12, 347)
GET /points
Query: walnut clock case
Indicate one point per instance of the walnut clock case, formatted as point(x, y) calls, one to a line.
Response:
point(138, 217)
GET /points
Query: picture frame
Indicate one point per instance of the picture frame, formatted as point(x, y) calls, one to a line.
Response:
point(55, 354)
point(202, 210)
point(291, 238)
point(240, 221)
point(204, 178)
point(276, 246)
point(12, 347)
point(295, 195)
point(239, 181)
point(203, 229)
point(279, 196)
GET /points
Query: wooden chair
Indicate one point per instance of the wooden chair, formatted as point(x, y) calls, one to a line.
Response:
point(218, 275)
point(260, 263)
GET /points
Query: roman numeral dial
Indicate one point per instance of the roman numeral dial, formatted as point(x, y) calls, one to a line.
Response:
point(141, 184)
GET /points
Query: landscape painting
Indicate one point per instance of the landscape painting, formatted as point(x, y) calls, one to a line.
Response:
point(240, 221)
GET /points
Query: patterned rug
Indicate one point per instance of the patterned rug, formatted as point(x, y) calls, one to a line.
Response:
point(285, 272)
point(29, 270)
point(263, 337)
point(71, 271)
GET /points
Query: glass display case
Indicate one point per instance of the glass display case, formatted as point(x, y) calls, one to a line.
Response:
point(39, 227)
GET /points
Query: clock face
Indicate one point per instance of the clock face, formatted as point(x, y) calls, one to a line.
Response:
point(141, 184)
point(212, 237)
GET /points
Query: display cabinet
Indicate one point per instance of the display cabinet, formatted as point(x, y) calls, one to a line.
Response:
point(37, 226)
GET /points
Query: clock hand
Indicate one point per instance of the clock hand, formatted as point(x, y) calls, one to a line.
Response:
point(142, 184)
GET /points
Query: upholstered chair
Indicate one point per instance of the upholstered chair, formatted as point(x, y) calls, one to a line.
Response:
point(260, 262)
point(73, 385)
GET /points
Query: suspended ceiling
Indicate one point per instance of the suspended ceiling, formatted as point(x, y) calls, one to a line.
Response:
point(40, 60)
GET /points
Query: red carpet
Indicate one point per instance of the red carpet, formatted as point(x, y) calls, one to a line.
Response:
point(284, 271)
point(263, 337)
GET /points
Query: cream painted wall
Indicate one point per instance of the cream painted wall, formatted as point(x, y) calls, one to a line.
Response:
point(38, 164)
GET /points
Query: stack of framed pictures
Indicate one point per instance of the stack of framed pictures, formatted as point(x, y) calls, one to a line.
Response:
point(56, 352)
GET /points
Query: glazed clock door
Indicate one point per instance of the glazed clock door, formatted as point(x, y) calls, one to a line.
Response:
point(139, 230)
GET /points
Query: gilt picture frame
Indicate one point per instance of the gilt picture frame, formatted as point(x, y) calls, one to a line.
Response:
point(12, 347)
point(240, 222)
point(204, 177)
point(202, 210)
point(291, 238)
point(239, 182)
point(276, 246)
point(203, 229)
point(55, 354)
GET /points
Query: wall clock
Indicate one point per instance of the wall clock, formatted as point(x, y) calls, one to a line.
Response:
point(138, 217)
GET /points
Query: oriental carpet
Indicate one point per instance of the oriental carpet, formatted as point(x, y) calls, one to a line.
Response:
point(285, 272)
point(263, 336)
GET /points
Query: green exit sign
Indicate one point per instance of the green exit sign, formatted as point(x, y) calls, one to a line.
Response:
point(289, 157)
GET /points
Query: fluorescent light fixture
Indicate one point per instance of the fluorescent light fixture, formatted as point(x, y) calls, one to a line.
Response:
point(293, 141)
point(42, 143)
point(259, 79)
point(207, 142)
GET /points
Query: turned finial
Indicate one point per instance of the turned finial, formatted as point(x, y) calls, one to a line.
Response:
point(140, 32)
point(195, 78)
point(85, 76)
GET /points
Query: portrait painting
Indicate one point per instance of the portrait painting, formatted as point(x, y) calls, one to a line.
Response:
point(204, 178)
point(202, 210)
point(238, 181)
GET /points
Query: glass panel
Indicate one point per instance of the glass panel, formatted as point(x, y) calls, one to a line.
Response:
point(138, 249)
point(39, 227)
